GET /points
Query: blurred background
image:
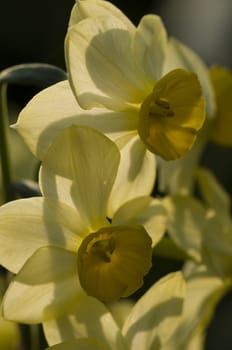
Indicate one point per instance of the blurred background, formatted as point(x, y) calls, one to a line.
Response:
point(34, 31)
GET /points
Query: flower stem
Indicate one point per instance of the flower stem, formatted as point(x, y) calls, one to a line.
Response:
point(4, 149)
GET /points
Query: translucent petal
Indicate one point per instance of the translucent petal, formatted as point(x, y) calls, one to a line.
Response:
point(79, 324)
point(55, 108)
point(156, 315)
point(186, 222)
point(145, 211)
point(80, 169)
point(214, 194)
point(94, 8)
point(136, 174)
point(28, 224)
point(83, 344)
point(47, 286)
point(149, 46)
point(180, 56)
point(102, 70)
point(204, 289)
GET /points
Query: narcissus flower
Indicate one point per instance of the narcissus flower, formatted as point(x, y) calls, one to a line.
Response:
point(80, 227)
point(149, 324)
point(204, 232)
point(222, 128)
point(116, 84)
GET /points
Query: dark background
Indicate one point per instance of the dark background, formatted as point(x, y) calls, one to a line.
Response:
point(34, 31)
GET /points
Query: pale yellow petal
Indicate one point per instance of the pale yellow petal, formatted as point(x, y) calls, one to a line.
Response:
point(102, 70)
point(186, 222)
point(55, 108)
point(93, 8)
point(83, 344)
point(180, 56)
point(149, 46)
point(156, 315)
point(28, 224)
point(145, 211)
point(136, 174)
point(80, 169)
point(46, 287)
point(89, 318)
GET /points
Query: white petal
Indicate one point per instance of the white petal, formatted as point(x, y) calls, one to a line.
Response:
point(156, 315)
point(186, 222)
point(95, 8)
point(90, 318)
point(136, 173)
point(55, 108)
point(79, 170)
point(46, 287)
point(149, 46)
point(102, 69)
point(28, 224)
point(180, 56)
point(145, 211)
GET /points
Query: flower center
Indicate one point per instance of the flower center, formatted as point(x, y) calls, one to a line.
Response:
point(159, 107)
point(113, 261)
point(101, 246)
point(171, 115)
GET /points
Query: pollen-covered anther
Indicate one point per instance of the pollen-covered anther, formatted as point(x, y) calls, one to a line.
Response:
point(160, 108)
point(113, 261)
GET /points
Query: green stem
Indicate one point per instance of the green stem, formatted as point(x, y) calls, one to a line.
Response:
point(4, 150)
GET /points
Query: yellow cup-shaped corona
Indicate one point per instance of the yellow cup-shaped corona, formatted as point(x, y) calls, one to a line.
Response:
point(172, 114)
point(113, 261)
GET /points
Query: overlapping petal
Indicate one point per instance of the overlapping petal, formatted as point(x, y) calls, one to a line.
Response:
point(84, 176)
point(136, 174)
point(79, 324)
point(106, 73)
point(145, 211)
point(43, 288)
point(93, 8)
point(156, 315)
point(149, 46)
point(186, 222)
point(55, 108)
point(42, 222)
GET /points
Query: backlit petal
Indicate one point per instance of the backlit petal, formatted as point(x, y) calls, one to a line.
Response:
point(46, 287)
point(102, 70)
point(156, 315)
point(55, 108)
point(28, 224)
point(145, 211)
point(149, 46)
point(180, 56)
point(93, 8)
point(136, 174)
point(79, 170)
point(79, 324)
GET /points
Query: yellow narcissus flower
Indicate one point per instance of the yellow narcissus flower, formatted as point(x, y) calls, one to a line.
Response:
point(81, 226)
point(114, 69)
point(222, 129)
point(148, 325)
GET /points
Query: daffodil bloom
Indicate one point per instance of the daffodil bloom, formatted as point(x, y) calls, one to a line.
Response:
point(148, 325)
point(80, 227)
point(116, 85)
point(222, 128)
point(204, 231)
